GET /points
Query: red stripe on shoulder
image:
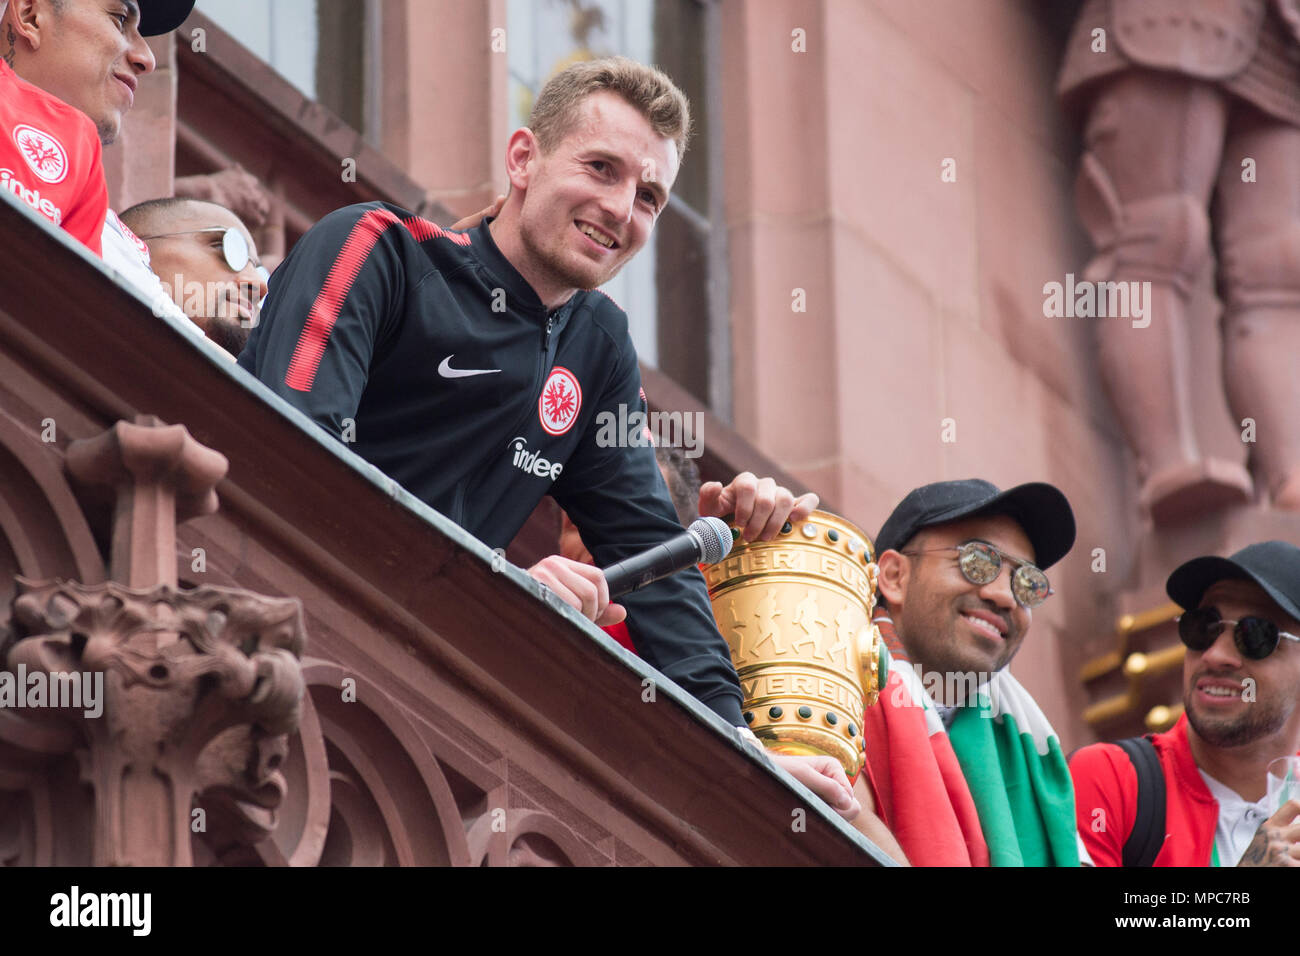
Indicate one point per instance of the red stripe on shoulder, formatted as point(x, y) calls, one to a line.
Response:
point(307, 355)
point(424, 230)
point(325, 310)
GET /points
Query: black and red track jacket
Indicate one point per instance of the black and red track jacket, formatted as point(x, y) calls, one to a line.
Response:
point(436, 360)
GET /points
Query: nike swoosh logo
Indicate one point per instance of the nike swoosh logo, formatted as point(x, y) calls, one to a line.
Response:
point(446, 371)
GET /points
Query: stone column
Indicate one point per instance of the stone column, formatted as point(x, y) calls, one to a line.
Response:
point(444, 116)
point(184, 698)
point(780, 236)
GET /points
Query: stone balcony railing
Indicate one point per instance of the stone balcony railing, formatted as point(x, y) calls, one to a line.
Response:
point(301, 663)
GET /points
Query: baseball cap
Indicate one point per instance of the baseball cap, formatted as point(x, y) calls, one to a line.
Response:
point(162, 16)
point(1039, 508)
point(1273, 565)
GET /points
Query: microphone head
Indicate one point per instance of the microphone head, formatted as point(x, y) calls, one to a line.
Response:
point(714, 537)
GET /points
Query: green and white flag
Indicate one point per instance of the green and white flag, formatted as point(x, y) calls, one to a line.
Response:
point(1012, 761)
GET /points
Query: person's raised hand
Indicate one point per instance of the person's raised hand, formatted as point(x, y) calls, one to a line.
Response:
point(760, 505)
point(1277, 841)
point(580, 586)
point(472, 220)
point(825, 777)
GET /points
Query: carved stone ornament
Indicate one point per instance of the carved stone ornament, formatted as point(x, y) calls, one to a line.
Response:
point(185, 696)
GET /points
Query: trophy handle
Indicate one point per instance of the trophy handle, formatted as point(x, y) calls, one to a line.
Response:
point(873, 663)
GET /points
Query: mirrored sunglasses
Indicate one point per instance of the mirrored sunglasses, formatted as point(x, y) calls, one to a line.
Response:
point(1255, 637)
point(981, 563)
point(234, 247)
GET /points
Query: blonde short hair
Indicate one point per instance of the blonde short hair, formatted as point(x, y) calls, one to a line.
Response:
point(644, 87)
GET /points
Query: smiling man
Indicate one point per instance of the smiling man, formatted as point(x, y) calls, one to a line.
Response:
point(89, 53)
point(966, 767)
point(471, 367)
point(50, 155)
point(206, 257)
point(92, 54)
point(1241, 710)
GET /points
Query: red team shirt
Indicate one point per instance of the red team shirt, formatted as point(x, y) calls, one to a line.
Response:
point(50, 159)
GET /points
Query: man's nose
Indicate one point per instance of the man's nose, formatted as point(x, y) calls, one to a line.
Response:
point(999, 590)
point(1223, 653)
point(620, 200)
point(140, 56)
point(251, 278)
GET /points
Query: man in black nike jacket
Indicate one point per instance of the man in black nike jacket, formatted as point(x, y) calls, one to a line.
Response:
point(471, 367)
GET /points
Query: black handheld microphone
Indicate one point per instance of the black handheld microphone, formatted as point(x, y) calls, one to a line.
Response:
point(707, 541)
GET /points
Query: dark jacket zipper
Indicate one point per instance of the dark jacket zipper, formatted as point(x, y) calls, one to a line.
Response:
point(458, 502)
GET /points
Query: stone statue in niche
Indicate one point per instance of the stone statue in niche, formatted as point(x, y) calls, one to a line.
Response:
point(1190, 113)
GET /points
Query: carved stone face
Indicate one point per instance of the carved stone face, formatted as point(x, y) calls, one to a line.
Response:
point(208, 671)
point(240, 783)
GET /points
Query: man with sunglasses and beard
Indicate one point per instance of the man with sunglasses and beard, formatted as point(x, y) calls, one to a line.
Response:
point(1241, 711)
point(206, 257)
point(966, 768)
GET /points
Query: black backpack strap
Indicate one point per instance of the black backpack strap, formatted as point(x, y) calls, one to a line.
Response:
point(1148, 835)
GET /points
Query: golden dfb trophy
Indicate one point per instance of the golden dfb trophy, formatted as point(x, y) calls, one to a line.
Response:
point(796, 612)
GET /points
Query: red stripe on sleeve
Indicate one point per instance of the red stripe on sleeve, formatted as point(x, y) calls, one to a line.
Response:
point(424, 230)
point(315, 335)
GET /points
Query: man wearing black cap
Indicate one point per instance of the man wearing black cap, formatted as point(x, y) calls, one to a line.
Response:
point(1241, 711)
point(91, 54)
point(967, 769)
point(50, 156)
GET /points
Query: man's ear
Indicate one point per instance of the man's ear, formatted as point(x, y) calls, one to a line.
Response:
point(891, 577)
point(521, 152)
point(26, 18)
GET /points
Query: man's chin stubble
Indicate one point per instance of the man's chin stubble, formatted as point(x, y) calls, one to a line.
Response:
point(1245, 729)
point(231, 337)
point(574, 278)
point(108, 133)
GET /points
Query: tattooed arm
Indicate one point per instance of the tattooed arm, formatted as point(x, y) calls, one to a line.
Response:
point(1277, 842)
